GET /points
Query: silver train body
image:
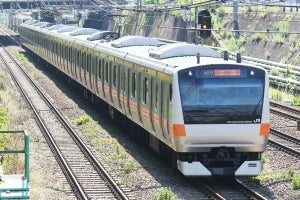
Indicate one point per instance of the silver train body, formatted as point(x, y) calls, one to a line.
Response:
point(212, 113)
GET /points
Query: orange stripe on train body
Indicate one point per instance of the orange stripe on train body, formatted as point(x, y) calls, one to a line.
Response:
point(264, 129)
point(179, 130)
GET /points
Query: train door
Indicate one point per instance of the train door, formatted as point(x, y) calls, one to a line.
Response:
point(134, 94)
point(67, 60)
point(122, 84)
point(73, 61)
point(93, 76)
point(166, 99)
point(145, 103)
point(156, 106)
point(99, 77)
point(77, 65)
point(57, 54)
point(61, 58)
point(107, 80)
point(114, 84)
point(88, 71)
point(82, 67)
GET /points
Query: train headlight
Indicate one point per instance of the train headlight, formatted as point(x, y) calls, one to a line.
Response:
point(252, 73)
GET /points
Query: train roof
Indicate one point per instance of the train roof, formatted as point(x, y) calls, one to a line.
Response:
point(141, 50)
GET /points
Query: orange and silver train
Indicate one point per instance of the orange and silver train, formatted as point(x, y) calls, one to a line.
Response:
point(211, 113)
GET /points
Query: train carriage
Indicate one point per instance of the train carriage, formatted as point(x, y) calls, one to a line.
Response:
point(212, 113)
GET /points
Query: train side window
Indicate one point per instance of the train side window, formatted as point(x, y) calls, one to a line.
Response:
point(106, 72)
point(114, 76)
point(78, 59)
point(170, 92)
point(88, 63)
point(70, 54)
point(122, 79)
point(99, 68)
point(94, 65)
point(156, 96)
point(133, 85)
point(145, 93)
point(83, 60)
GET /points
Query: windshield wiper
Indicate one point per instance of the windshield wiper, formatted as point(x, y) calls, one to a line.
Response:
point(196, 111)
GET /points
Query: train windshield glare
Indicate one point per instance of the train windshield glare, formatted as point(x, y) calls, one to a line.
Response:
point(221, 95)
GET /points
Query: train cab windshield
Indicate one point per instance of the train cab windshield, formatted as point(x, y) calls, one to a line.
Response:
point(221, 95)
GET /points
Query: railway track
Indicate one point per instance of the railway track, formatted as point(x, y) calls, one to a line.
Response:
point(285, 111)
point(283, 141)
point(228, 188)
point(87, 177)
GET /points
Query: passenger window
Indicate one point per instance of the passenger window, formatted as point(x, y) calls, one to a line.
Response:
point(122, 80)
point(156, 95)
point(88, 63)
point(170, 92)
point(114, 77)
point(106, 72)
point(83, 60)
point(133, 85)
point(99, 69)
point(145, 90)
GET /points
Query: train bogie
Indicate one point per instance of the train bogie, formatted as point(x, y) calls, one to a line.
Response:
point(211, 114)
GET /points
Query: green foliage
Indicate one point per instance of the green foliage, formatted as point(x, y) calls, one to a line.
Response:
point(120, 152)
point(268, 55)
point(4, 119)
point(2, 87)
point(264, 158)
point(221, 12)
point(268, 176)
point(85, 120)
point(23, 57)
point(147, 20)
point(165, 194)
point(296, 182)
point(290, 88)
point(283, 26)
point(293, 39)
point(275, 72)
point(248, 9)
point(276, 95)
point(257, 37)
point(296, 101)
point(90, 132)
point(234, 45)
point(287, 71)
point(128, 167)
point(278, 38)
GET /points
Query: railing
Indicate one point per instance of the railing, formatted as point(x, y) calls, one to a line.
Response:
point(15, 186)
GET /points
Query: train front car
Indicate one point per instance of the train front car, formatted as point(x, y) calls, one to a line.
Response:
point(222, 125)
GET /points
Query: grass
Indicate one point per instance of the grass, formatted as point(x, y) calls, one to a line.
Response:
point(165, 194)
point(296, 182)
point(90, 132)
point(276, 95)
point(296, 101)
point(4, 118)
point(268, 175)
point(128, 167)
point(85, 120)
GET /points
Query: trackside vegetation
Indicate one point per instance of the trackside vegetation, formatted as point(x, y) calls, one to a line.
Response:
point(165, 194)
point(268, 175)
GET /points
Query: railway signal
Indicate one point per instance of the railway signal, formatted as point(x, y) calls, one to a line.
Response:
point(204, 23)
